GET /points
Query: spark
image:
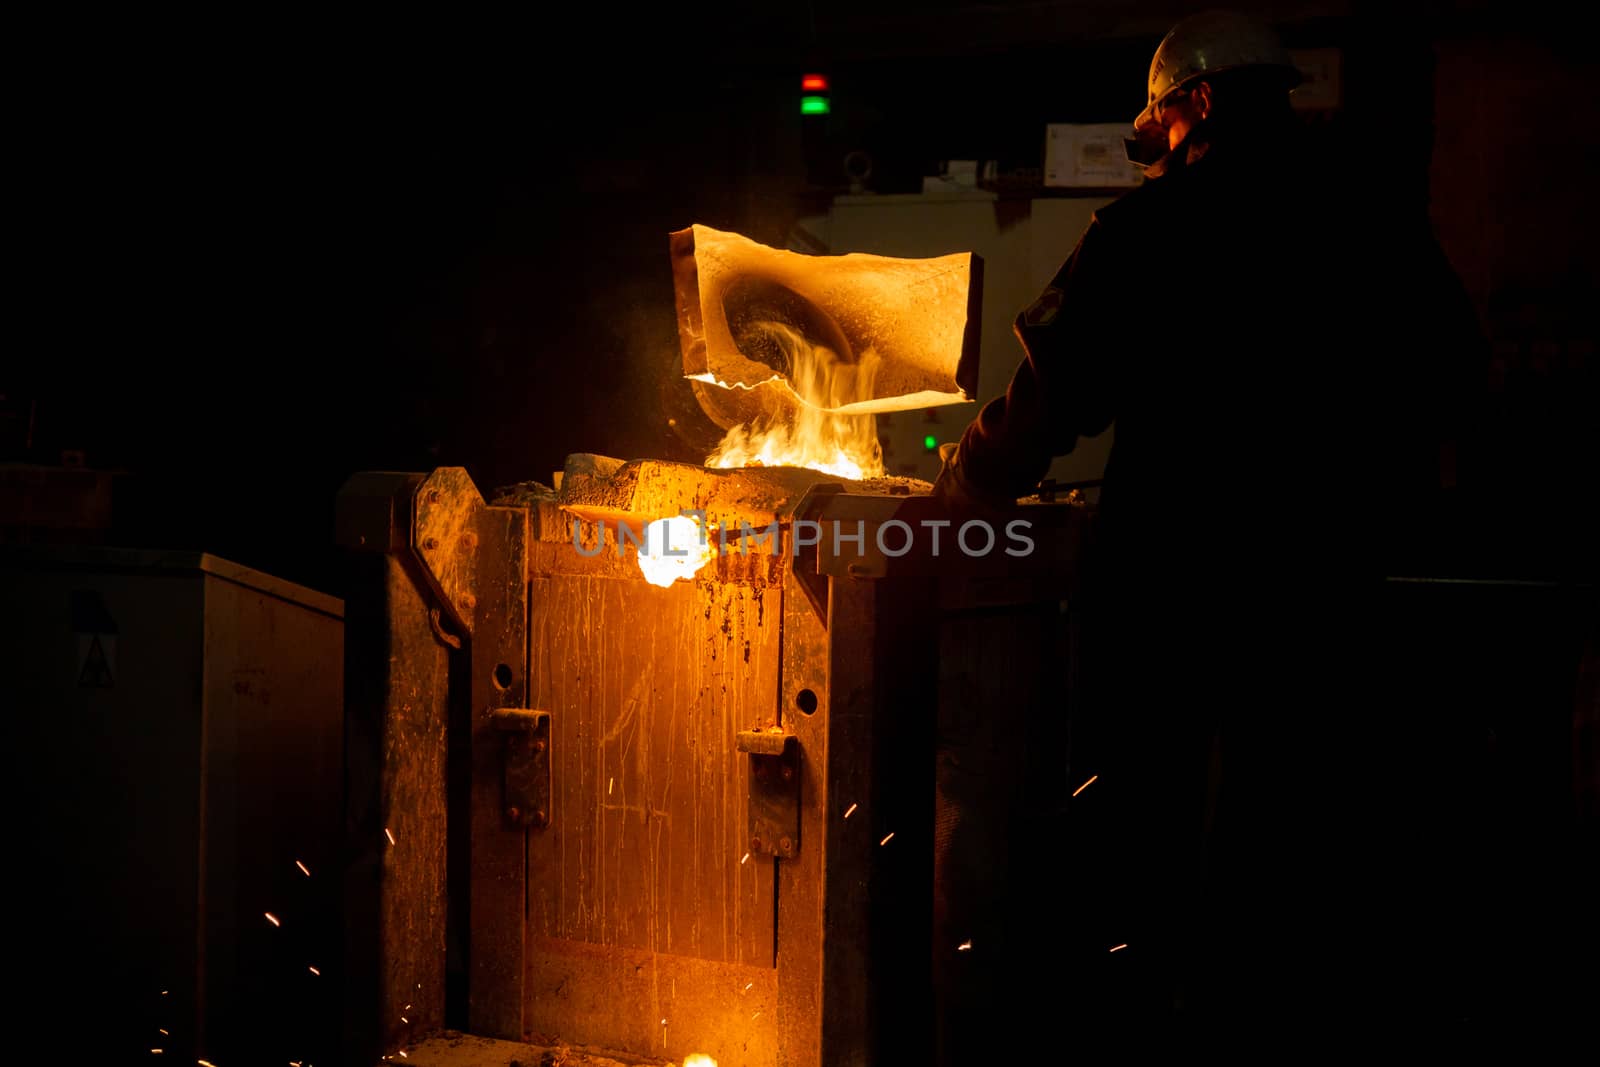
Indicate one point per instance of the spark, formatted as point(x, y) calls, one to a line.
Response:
point(303, 868)
point(163, 992)
point(663, 1022)
point(965, 946)
point(405, 1020)
point(1123, 945)
point(205, 1063)
point(849, 811)
point(314, 971)
point(387, 833)
point(746, 858)
point(885, 841)
point(756, 1016)
point(271, 918)
point(610, 786)
point(747, 986)
point(406, 1008)
point(1085, 785)
point(163, 1032)
point(403, 1055)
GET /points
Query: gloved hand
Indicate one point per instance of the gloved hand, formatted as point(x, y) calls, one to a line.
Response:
point(960, 497)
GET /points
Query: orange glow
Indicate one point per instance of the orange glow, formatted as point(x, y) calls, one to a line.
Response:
point(699, 1059)
point(389, 835)
point(885, 841)
point(849, 811)
point(745, 860)
point(1124, 945)
point(1085, 785)
point(271, 918)
point(303, 868)
point(820, 437)
point(314, 971)
point(965, 946)
point(674, 547)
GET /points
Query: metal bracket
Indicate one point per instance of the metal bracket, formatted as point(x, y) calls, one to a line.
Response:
point(774, 792)
point(527, 765)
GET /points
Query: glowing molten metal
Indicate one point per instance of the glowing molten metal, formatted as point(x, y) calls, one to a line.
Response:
point(674, 547)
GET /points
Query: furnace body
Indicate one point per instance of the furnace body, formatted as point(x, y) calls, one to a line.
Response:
point(708, 817)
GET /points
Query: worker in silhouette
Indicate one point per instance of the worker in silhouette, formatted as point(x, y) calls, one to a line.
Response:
point(1274, 348)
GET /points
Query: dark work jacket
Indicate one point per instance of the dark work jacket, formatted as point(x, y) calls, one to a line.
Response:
point(1277, 346)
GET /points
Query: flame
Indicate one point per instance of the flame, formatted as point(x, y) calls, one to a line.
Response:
point(819, 438)
point(682, 536)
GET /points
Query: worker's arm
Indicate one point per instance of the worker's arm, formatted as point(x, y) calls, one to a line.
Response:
point(1064, 387)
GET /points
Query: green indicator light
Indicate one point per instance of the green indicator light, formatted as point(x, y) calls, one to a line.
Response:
point(813, 105)
point(930, 442)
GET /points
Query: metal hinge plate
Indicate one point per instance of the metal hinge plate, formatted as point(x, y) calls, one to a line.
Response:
point(527, 766)
point(774, 792)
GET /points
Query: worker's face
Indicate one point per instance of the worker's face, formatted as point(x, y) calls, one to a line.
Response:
point(1182, 111)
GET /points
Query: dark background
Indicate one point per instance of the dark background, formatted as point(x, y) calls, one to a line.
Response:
point(259, 256)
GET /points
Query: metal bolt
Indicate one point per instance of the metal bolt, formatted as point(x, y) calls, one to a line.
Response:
point(540, 818)
point(538, 746)
point(788, 773)
point(430, 543)
point(514, 813)
point(469, 600)
point(433, 496)
point(470, 540)
point(785, 845)
point(755, 846)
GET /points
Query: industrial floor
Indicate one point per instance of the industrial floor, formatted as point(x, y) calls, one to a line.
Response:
point(453, 1049)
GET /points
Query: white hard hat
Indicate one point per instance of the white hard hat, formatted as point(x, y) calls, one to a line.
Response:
point(1210, 43)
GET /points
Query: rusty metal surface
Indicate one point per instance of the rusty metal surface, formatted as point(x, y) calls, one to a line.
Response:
point(498, 848)
point(650, 489)
point(854, 913)
point(648, 1003)
point(774, 792)
point(648, 689)
point(801, 880)
point(375, 511)
point(445, 537)
point(396, 711)
point(526, 778)
point(454, 1049)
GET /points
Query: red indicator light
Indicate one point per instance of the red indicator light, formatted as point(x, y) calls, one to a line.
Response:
point(814, 83)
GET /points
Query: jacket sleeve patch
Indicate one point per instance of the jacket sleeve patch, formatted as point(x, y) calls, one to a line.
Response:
point(1043, 311)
